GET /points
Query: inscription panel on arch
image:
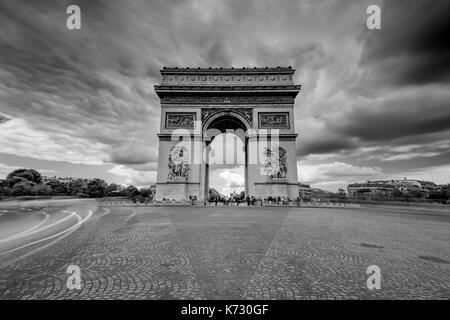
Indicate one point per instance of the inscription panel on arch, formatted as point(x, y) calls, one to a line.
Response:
point(273, 120)
point(180, 120)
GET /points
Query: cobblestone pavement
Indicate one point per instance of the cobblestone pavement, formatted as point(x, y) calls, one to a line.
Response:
point(240, 253)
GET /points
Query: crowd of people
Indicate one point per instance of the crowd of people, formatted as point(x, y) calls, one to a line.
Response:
point(250, 201)
point(226, 201)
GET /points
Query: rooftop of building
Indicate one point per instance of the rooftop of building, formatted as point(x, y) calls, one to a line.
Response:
point(228, 70)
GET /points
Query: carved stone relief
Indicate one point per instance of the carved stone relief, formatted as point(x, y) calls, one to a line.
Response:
point(178, 163)
point(273, 120)
point(275, 163)
point(227, 99)
point(180, 120)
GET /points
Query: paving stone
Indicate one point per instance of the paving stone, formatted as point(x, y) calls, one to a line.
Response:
point(242, 253)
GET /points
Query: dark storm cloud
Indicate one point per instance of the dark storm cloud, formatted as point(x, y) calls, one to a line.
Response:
point(412, 47)
point(133, 154)
point(324, 144)
point(84, 84)
point(415, 113)
point(3, 119)
point(95, 85)
point(397, 95)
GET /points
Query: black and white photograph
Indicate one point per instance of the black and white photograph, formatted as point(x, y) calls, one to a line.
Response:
point(224, 154)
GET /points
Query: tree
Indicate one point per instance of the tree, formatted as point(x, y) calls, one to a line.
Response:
point(5, 190)
point(213, 194)
point(396, 193)
point(78, 187)
point(24, 188)
point(114, 189)
point(146, 192)
point(13, 180)
point(27, 174)
point(57, 187)
point(131, 191)
point(42, 190)
point(442, 194)
point(411, 194)
point(378, 195)
point(96, 188)
point(446, 191)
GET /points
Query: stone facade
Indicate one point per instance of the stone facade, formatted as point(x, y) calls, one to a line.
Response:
point(260, 101)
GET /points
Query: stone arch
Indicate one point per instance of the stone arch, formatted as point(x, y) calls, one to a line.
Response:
point(226, 98)
point(226, 114)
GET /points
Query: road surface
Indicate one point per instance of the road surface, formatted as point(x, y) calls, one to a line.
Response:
point(222, 252)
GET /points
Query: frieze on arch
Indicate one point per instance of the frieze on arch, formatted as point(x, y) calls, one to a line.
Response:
point(273, 120)
point(237, 99)
point(227, 76)
point(180, 120)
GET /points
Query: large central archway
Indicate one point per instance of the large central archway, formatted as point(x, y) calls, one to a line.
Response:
point(225, 125)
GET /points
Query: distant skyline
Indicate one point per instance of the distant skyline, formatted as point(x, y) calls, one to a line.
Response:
point(374, 104)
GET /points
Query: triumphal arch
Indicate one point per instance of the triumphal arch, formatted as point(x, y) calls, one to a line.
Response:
point(257, 104)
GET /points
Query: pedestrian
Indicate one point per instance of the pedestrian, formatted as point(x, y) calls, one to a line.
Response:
point(248, 201)
point(215, 201)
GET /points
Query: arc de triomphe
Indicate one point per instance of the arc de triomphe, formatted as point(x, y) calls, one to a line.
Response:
point(198, 103)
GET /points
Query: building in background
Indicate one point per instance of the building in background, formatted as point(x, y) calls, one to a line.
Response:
point(318, 194)
point(418, 188)
point(386, 188)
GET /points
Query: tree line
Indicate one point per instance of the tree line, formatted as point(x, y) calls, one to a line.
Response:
point(29, 182)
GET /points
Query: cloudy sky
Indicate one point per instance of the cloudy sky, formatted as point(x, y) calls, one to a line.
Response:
point(374, 103)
